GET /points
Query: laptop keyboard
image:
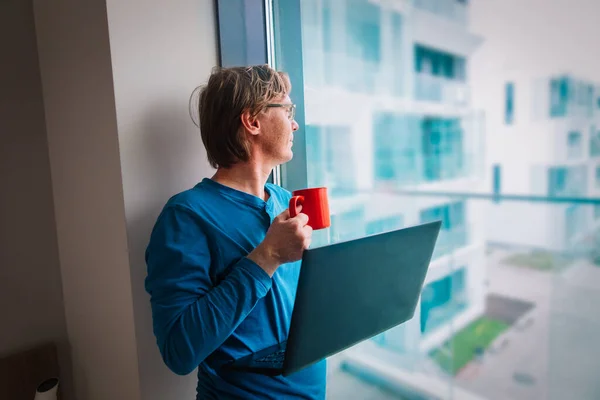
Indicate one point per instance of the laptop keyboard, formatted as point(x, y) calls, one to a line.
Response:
point(273, 358)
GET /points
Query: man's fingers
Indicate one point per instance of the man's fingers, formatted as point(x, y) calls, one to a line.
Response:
point(307, 236)
point(284, 216)
point(302, 218)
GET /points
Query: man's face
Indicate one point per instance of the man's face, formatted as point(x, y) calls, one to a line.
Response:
point(277, 131)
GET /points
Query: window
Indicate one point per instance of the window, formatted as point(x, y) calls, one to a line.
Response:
point(442, 148)
point(497, 179)
point(574, 145)
point(387, 136)
point(442, 300)
point(509, 104)
point(364, 78)
point(598, 177)
point(397, 149)
point(594, 141)
point(582, 94)
point(454, 232)
point(559, 96)
point(567, 181)
point(589, 101)
point(363, 31)
point(438, 63)
point(557, 181)
point(575, 221)
point(349, 44)
point(571, 221)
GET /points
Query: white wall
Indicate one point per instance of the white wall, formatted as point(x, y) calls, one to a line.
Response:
point(116, 80)
point(31, 303)
point(160, 52)
point(81, 126)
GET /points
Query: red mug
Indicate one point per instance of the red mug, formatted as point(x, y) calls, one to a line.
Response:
point(314, 203)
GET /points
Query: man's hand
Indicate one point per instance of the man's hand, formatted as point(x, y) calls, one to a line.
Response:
point(286, 240)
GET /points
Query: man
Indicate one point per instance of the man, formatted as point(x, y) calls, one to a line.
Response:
point(224, 257)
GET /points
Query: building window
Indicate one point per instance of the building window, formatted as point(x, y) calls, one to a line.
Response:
point(442, 300)
point(598, 177)
point(442, 148)
point(574, 221)
point(594, 141)
point(453, 233)
point(396, 148)
point(567, 181)
point(509, 104)
point(557, 181)
point(559, 96)
point(439, 63)
point(589, 101)
point(574, 145)
point(452, 215)
point(582, 94)
point(363, 31)
point(411, 149)
point(497, 179)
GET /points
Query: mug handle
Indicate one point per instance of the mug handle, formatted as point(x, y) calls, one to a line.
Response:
point(294, 201)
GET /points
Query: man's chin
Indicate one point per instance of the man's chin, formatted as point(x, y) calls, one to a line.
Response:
point(285, 157)
point(288, 157)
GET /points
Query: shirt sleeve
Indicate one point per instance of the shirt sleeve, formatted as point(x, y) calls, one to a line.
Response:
point(191, 317)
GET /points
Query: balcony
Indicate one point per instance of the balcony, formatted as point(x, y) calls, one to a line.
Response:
point(412, 168)
point(567, 182)
point(452, 10)
point(441, 90)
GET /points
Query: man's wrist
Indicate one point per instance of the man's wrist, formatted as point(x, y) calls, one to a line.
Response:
point(264, 258)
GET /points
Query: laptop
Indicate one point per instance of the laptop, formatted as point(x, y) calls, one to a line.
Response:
point(349, 292)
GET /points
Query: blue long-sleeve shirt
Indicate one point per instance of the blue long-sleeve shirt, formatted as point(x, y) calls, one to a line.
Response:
point(211, 304)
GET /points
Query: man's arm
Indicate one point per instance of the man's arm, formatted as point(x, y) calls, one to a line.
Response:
point(191, 317)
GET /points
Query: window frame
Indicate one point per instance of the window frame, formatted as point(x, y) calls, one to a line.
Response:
point(509, 103)
point(242, 32)
point(246, 36)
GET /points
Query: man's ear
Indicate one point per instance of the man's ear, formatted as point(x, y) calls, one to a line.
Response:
point(250, 123)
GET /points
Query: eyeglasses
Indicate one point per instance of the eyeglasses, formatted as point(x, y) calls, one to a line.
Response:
point(291, 109)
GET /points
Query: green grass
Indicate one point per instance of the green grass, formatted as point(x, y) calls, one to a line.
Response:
point(540, 260)
point(458, 351)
